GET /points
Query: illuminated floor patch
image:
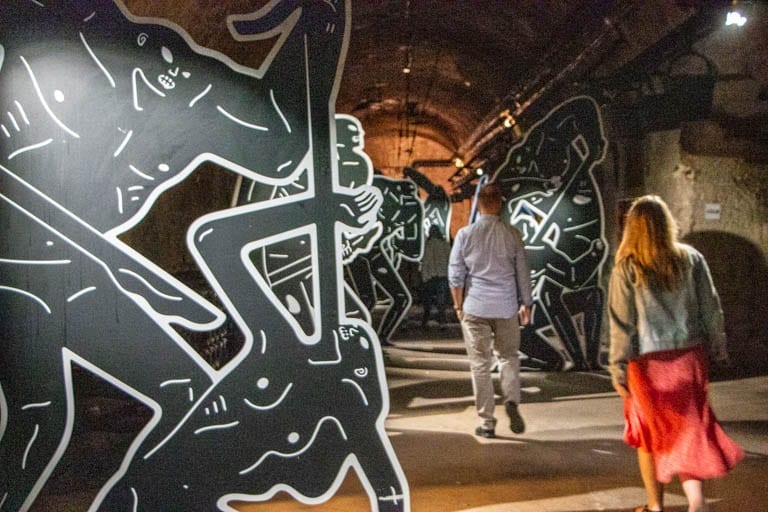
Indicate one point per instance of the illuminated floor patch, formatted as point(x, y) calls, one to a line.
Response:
point(616, 499)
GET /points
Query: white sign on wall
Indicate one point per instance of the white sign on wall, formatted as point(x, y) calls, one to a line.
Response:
point(712, 211)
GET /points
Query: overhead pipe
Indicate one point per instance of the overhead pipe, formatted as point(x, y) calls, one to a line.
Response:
point(431, 163)
point(700, 23)
point(492, 126)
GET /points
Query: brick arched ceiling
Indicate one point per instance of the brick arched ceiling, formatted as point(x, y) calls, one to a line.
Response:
point(468, 61)
point(464, 59)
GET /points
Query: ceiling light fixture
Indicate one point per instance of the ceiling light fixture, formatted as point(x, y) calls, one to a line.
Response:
point(508, 121)
point(735, 16)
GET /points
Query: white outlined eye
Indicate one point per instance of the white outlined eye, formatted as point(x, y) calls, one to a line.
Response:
point(167, 55)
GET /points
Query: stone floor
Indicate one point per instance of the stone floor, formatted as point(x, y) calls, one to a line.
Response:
point(570, 459)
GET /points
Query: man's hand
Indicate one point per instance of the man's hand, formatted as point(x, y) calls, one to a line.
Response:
point(524, 314)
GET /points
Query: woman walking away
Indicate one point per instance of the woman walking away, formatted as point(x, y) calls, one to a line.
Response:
point(665, 323)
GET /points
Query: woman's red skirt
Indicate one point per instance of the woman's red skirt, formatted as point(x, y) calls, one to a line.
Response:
point(669, 416)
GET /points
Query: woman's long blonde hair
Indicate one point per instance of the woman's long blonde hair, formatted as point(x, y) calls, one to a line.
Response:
point(649, 242)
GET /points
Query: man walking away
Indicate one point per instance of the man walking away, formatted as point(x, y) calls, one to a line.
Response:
point(490, 282)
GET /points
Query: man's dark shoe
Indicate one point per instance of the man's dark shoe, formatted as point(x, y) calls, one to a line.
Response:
point(516, 423)
point(488, 433)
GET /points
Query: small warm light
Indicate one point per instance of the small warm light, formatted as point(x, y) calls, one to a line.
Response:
point(408, 62)
point(735, 18)
point(508, 121)
point(458, 162)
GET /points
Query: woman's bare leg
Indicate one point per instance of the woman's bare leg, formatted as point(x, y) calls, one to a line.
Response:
point(694, 491)
point(653, 487)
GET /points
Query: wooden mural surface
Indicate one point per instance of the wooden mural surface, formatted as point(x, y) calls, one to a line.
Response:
point(100, 113)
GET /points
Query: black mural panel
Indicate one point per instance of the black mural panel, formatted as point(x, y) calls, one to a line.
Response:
point(552, 198)
point(355, 176)
point(100, 113)
point(375, 275)
point(437, 205)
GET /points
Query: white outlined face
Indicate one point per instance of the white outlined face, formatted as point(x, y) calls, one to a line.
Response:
point(168, 81)
point(355, 166)
point(156, 74)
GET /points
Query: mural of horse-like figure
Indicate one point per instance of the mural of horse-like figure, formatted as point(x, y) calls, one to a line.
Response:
point(552, 198)
point(104, 111)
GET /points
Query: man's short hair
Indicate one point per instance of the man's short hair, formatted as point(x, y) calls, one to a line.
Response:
point(490, 197)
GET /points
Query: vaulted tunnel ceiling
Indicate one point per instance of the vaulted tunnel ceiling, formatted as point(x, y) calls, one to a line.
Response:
point(468, 61)
point(464, 59)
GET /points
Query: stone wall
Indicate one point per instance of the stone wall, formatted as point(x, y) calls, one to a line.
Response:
point(720, 200)
point(713, 173)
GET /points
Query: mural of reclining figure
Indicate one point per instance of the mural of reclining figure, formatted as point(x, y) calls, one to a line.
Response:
point(102, 112)
point(552, 198)
point(289, 417)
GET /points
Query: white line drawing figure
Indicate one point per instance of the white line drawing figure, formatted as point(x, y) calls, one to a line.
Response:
point(375, 275)
point(552, 198)
point(437, 205)
point(356, 177)
point(70, 183)
point(307, 404)
point(356, 174)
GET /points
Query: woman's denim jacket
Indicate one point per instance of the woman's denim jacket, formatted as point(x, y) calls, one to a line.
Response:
point(644, 319)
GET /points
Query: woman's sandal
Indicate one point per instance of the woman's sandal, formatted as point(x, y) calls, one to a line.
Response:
point(645, 508)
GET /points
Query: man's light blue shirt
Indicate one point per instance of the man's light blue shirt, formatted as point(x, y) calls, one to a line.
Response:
point(488, 260)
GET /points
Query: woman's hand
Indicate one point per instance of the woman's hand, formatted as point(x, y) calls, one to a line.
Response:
point(622, 390)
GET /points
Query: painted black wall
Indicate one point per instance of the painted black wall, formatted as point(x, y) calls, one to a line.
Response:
point(553, 199)
point(103, 113)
